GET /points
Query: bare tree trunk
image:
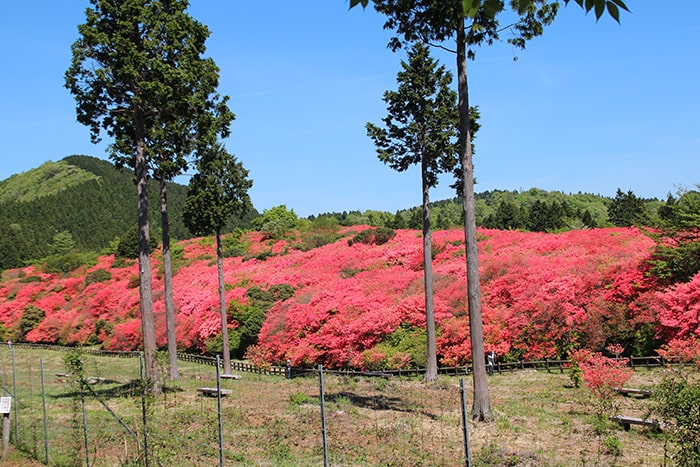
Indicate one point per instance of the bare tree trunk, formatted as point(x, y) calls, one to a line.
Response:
point(482, 399)
point(431, 373)
point(222, 298)
point(168, 281)
point(146, 295)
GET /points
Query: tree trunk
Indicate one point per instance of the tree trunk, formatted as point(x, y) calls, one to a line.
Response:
point(482, 399)
point(168, 282)
point(222, 298)
point(146, 295)
point(431, 367)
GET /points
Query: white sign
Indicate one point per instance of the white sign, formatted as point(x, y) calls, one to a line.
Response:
point(5, 404)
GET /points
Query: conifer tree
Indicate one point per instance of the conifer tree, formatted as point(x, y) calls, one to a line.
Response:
point(218, 191)
point(421, 128)
point(472, 23)
point(137, 74)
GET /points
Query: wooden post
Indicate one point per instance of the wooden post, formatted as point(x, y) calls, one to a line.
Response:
point(5, 405)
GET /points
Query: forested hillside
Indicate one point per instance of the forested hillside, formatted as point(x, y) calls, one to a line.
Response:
point(95, 204)
point(532, 210)
point(83, 196)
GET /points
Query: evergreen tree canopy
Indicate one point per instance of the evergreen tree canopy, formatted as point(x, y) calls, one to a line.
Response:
point(627, 210)
point(217, 192)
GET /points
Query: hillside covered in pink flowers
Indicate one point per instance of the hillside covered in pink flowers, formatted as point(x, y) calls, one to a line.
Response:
point(361, 304)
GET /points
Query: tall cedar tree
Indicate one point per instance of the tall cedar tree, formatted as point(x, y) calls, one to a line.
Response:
point(137, 73)
point(421, 128)
point(472, 23)
point(218, 191)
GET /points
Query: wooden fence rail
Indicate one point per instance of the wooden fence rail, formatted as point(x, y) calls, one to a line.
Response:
point(635, 363)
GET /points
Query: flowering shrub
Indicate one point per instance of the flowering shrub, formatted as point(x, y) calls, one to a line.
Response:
point(542, 295)
point(601, 375)
point(685, 350)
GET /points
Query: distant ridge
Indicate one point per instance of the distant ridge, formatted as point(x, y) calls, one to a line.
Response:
point(85, 196)
point(46, 180)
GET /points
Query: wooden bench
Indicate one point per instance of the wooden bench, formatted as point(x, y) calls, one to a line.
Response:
point(213, 391)
point(229, 376)
point(627, 422)
point(643, 393)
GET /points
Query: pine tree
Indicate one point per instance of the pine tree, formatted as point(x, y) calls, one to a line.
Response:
point(421, 128)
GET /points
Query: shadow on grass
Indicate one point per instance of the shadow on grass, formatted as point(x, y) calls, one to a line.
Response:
point(133, 388)
point(377, 403)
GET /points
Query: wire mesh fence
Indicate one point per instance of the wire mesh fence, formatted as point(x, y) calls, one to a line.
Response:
point(259, 419)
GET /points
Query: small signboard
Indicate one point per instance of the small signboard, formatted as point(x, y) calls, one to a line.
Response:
point(5, 404)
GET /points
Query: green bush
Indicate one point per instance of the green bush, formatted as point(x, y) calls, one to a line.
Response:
point(613, 446)
point(98, 275)
point(31, 317)
point(29, 279)
point(677, 403)
point(323, 231)
point(298, 398)
point(233, 246)
point(129, 244)
point(377, 236)
point(406, 340)
point(67, 262)
point(383, 235)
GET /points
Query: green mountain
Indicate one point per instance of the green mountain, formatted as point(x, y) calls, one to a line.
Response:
point(88, 198)
point(95, 203)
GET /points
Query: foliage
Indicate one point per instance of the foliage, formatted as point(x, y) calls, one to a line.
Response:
point(98, 275)
point(96, 209)
point(601, 376)
point(67, 262)
point(575, 373)
point(421, 125)
point(62, 243)
point(627, 210)
point(128, 246)
point(677, 254)
point(677, 309)
point(405, 347)
point(30, 319)
point(45, 181)
point(378, 236)
point(233, 246)
point(276, 223)
point(217, 192)
point(470, 8)
point(677, 403)
point(544, 295)
point(322, 231)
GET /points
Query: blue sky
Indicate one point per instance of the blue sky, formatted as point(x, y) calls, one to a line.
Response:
point(589, 106)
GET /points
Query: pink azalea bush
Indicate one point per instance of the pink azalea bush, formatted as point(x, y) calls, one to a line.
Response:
point(542, 294)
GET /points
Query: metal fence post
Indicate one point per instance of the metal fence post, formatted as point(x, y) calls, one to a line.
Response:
point(218, 406)
point(465, 426)
point(323, 416)
point(85, 429)
point(43, 403)
point(14, 392)
point(144, 386)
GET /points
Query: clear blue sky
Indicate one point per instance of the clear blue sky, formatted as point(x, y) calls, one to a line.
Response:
point(588, 106)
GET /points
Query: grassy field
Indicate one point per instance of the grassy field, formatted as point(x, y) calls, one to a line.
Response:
point(541, 419)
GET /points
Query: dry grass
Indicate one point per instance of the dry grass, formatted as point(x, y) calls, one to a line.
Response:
point(540, 420)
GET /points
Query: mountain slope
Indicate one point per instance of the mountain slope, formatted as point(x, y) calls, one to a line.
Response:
point(49, 179)
point(82, 195)
point(361, 304)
